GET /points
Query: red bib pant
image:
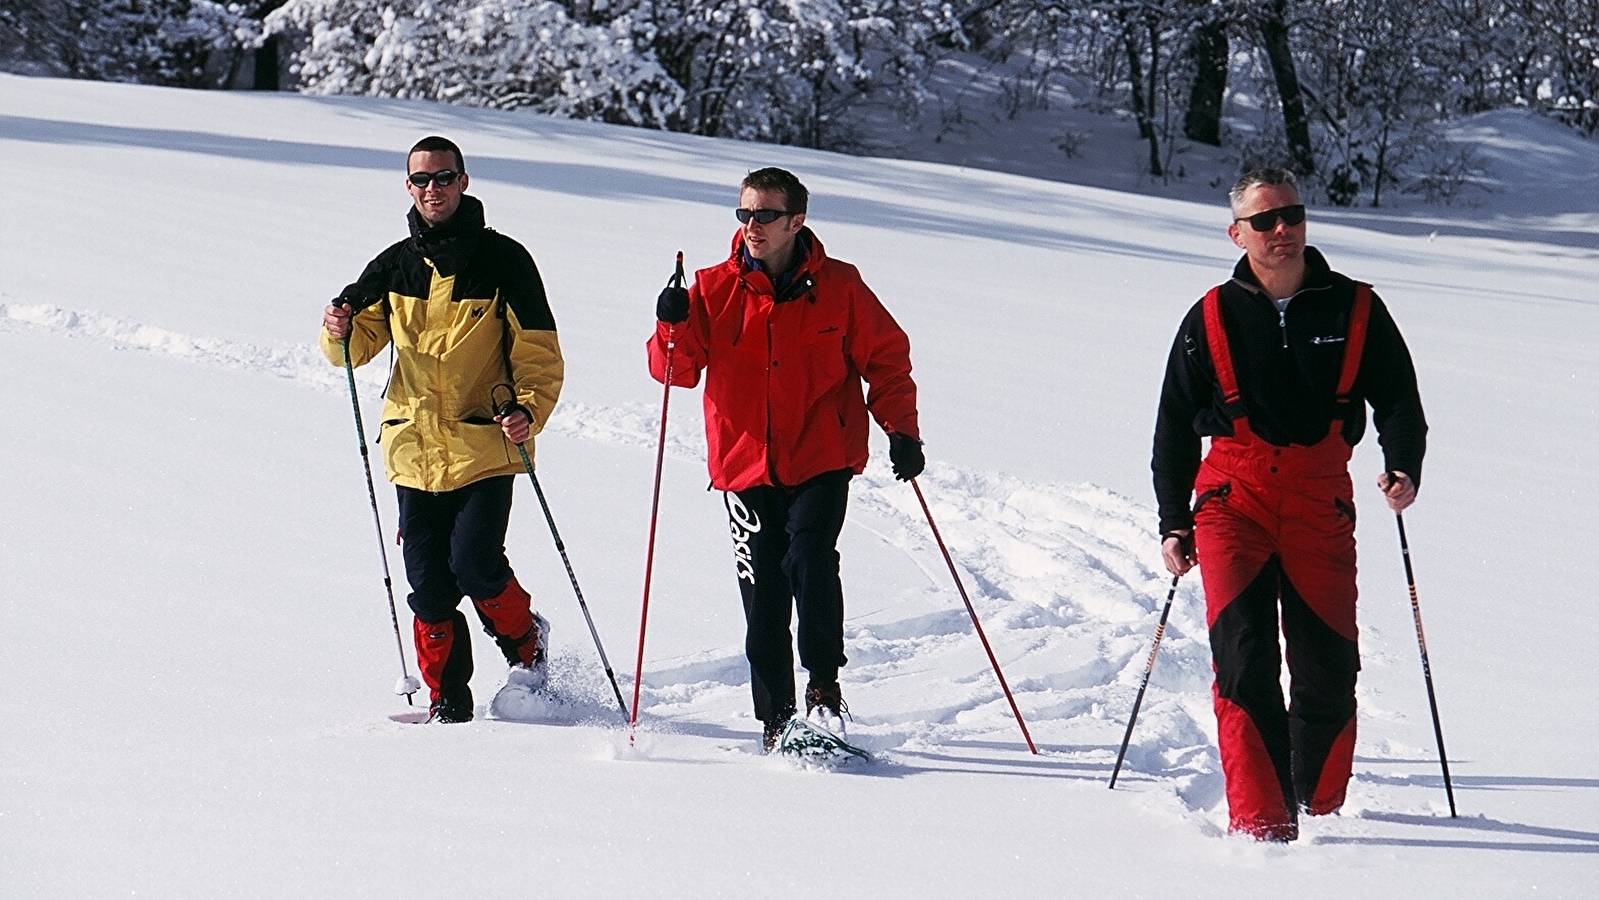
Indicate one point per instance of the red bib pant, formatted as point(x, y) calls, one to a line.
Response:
point(1275, 533)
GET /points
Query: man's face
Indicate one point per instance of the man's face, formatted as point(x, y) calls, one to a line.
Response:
point(771, 244)
point(436, 203)
point(1278, 246)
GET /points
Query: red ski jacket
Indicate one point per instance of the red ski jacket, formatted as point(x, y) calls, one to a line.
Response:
point(783, 370)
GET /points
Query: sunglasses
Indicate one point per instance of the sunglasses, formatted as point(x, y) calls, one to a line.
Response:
point(1266, 221)
point(763, 216)
point(444, 177)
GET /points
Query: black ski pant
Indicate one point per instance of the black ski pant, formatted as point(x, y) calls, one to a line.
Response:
point(785, 546)
point(455, 545)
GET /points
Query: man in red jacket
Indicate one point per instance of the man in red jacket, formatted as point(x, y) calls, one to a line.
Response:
point(785, 337)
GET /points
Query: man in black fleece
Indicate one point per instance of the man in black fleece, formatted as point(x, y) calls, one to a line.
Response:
point(1276, 367)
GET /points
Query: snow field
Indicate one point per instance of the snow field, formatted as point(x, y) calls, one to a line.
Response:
point(201, 655)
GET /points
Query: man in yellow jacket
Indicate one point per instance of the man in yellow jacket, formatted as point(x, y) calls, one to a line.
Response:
point(477, 369)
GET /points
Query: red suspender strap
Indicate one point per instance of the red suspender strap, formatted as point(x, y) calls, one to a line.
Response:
point(1221, 355)
point(1354, 345)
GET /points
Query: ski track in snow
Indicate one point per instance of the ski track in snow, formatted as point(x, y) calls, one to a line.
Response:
point(1065, 580)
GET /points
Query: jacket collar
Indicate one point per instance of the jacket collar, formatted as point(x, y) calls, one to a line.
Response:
point(1318, 275)
point(790, 285)
point(449, 246)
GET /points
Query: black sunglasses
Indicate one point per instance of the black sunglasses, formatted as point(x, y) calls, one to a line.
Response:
point(444, 177)
point(763, 216)
point(1266, 221)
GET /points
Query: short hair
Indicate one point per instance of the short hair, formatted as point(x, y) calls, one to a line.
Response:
point(772, 178)
point(1235, 197)
point(435, 144)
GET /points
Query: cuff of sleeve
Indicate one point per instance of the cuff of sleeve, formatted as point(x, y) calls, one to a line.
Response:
point(1169, 526)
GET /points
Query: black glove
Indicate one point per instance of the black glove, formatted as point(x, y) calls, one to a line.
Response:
point(905, 452)
point(672, 306)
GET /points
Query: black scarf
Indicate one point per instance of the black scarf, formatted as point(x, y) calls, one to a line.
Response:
point(450, 246)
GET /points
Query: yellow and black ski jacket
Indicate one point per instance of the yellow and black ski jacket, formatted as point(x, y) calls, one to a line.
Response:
point(465, 310)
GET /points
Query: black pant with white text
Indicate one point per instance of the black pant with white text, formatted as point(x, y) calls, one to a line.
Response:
point(785, 544)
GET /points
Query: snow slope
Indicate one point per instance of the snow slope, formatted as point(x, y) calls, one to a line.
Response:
point(194, 626)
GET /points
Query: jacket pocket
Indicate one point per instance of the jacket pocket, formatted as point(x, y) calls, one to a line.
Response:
point(388, 423)
point(1345, 510)
point(1219, 492)
point(482, 437)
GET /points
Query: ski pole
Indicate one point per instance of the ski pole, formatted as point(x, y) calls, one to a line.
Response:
point(1426, 667)
point(1160, 632)
point(407, 684)
point(973, 613)
point(571, 575)
point(655, 504)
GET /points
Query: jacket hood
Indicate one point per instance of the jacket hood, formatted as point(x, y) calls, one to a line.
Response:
point(451, 245)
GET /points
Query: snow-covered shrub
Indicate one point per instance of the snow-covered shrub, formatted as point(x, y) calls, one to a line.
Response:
point(184, 43)
point(506, 54)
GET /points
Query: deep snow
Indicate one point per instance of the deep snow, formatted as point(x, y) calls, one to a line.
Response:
point(193, 620)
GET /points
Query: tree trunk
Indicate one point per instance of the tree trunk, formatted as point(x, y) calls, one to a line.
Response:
point(1143, 107)
point(1296, 123)
point(1202, 122)
point(1135, 75)
point(1153, 23)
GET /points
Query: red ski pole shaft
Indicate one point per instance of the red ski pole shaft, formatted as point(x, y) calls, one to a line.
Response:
point(970, 610)
point(655, 506)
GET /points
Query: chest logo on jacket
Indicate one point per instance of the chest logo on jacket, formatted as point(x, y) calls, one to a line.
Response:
point(744, 524)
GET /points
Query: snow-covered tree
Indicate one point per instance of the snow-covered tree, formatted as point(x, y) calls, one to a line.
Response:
point(1373, 86)
point(786, 70)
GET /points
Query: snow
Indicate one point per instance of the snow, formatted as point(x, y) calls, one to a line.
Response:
point(193, 621)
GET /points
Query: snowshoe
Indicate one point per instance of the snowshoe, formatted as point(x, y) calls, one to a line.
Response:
point(807, 742)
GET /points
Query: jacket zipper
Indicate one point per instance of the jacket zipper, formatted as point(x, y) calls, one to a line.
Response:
point(771, 461)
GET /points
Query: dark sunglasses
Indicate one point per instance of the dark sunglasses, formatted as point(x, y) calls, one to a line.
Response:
point(763, 216)
point(444, 177)
point(1266, 221)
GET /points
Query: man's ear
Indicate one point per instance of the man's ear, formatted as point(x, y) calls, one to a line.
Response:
point(1232, 232)
point(799, 220)
point(465, 180)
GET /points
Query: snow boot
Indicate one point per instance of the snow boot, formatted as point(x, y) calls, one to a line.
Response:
point(444, 657)
point(825, 706)
point(529, 656)
point(771, 733)
point(523, 636)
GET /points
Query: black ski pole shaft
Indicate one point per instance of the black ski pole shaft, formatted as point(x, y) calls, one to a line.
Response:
point(1160, 632)
point(676, 280)
point(972, 611)
point(560, 547)
point(407, 685)
point(1426, 666)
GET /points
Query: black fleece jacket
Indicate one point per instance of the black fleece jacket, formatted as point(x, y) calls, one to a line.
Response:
point(1287, 365)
